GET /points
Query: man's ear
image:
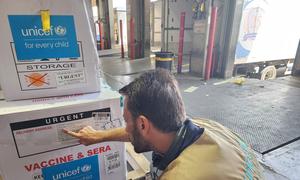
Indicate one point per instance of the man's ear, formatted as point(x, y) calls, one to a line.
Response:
point(143, 124)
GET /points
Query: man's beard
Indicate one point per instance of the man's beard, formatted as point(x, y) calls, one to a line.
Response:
point(138, 143)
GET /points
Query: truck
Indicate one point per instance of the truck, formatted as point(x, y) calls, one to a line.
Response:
point(268, 38)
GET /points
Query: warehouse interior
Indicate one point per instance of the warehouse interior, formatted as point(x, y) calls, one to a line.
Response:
point(236, 62)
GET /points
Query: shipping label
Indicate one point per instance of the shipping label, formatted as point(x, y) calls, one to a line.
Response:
point(45, 134)
point(50, 73)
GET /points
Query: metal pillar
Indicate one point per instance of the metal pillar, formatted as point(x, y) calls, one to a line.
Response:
point(168, 15)
point(181, 39)
point(296, 66)
point(200, 42)
point(211, 39)
point(223, 48)
point(121, 37)
point(105, 15)
point(138, 11)
point(165, 16)
point(152, 15)
point(163, 20)
point(232, 15)
point(132, 39)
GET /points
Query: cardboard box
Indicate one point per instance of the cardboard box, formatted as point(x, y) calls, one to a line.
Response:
point(38, 63)
point(33, 146)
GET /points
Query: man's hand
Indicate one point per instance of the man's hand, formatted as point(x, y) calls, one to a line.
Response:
point(86, 135)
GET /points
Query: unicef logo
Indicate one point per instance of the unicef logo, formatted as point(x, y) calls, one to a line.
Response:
point(60, 30)
point(86, 168)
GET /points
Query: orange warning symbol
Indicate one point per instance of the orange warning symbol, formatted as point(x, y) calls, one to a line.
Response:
point(36, 79)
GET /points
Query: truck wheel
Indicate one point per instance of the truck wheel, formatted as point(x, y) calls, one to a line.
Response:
point(268, 72)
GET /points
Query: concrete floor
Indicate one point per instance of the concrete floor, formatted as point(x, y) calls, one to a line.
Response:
point(280, 163)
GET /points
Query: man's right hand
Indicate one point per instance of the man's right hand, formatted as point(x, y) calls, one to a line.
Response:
point(86, 135)
point(89, 135)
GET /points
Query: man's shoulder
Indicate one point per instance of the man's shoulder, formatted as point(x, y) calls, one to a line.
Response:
point(202, 122)
point(216, 154)
point(213, 127)
point(194, 162)
point(207, 159)
point(189, 166)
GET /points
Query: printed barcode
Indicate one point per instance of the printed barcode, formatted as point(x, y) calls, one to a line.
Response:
point(114, 165)
point(113, 156)
point(112, 162)
point(101, 116)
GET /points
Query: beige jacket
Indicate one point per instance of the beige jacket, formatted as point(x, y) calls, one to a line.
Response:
point(217, 154)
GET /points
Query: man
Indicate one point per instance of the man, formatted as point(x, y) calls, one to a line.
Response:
point(156, 121)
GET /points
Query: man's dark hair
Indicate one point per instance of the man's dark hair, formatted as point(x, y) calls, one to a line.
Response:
point(155, 95)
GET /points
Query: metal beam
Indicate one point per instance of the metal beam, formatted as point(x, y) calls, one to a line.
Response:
point(296, 66)
point(234, 15)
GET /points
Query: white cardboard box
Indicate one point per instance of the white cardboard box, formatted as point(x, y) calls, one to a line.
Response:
point(37, 63)
point(32, 143)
